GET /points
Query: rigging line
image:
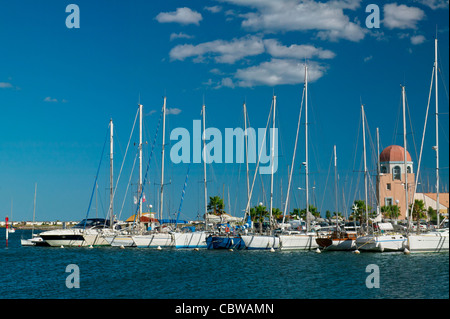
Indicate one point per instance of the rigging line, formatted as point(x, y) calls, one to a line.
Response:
point(96, 177)
point(423, 134)
point(441, 73)
point(259, 157)
point(182, 194)
point(326, 181)
point(128, 185)
point(410, 123)
point(148, 164)
point(126, 151)
point(293, 157)
point(396, 122)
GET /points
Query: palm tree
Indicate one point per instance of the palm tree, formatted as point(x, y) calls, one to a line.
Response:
point(312, 210)
point(258, 214)
point(295, 213)
point(216, 206)
point(277, 214)
point(391, 211)
point(418, 211)
point(359, 213)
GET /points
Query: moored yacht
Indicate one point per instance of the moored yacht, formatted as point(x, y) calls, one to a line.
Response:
point(433, 241)
point(88, 232)
point(386, 240)
point(338, 240)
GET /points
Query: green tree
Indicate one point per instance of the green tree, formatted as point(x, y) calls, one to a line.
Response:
point(258, 214)
point(295, 213)
point(360, 212)
point(277, 214)
point(418, 211)
point(312, 210)
point(216, 206)
point(432, 213)
point(390, 211)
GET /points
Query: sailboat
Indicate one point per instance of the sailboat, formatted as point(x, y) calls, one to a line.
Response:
point(191, 238)
point(338, 239)
point(385, 239)
point(35, 239)
point(153, 238)
point(264, 241)
point(301, 240)
point(231, 239)
point(89, 231)
point(438, 239)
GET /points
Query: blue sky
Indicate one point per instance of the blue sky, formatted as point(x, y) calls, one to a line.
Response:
point(59, 88)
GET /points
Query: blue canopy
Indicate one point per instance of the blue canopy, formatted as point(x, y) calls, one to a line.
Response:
point(173, 221)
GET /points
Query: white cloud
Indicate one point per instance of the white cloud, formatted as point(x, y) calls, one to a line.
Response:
point(327, 18)
point(368, 58)
point(231, 51)
point(5, 85)
point(226, 82)
point(49, 99)
point(302, 51)
point(402, 16)
point(277, 72)
point(417, 39)
point(180, 35)
point(222, 51)
point(214, 9)
point(434, 4)
point(181, 15)
point(173, 111)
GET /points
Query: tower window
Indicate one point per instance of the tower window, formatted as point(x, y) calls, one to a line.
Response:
point(396, 173)
point(388, 186)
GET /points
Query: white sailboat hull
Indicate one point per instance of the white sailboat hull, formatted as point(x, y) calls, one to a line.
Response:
point(298, 242)
point(381, 243)
point(261, 242)
point(190, 240)
point(119, 240)
point(163, 240)
point(428, 242)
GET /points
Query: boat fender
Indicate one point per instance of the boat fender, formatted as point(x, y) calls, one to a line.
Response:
point(227, 229)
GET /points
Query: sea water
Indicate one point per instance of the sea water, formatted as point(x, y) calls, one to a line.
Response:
point(111, 272)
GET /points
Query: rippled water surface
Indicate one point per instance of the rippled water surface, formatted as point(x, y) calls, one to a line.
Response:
point(40, 272)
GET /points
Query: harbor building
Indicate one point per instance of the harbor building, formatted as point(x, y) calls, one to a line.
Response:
point(391, 180)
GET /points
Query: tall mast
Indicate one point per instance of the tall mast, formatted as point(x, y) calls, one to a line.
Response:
point(246, 151)
point(204, 165)
point(306, 150)
point(335, 185)
point(404, 155)
point(378, 169)
point(111, 170)
point(365, 164)
point(437, 130)
point(34, 209)
point(140, 162)
point(162, 161)
point(272, 150)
